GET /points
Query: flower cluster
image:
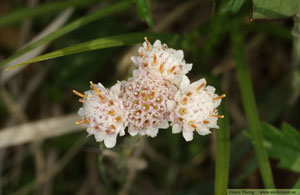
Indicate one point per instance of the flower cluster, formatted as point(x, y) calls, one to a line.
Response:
point(158, 93)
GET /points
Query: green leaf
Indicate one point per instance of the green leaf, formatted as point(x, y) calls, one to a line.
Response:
point(249, 104)
point(283, 145)
point(232, 6)
point(48, 8)
point(71, 27)
point(273, 9)
point(143, 7)
point(113, 41)
point(222, 154)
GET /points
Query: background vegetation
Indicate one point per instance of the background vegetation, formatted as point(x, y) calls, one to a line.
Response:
point(249, 50)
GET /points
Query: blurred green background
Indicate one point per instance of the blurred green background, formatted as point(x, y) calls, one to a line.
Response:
point(249, 50)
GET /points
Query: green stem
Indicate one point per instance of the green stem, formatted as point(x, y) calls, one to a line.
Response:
point(222, 154)
point(244, 80)
point(296, 42)
point(296, 59)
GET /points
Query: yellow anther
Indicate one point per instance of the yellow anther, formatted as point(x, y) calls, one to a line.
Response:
point(79, 94)
point(192, 124)
point(218, 116)
point(147, 42)
point(81, 122)
point(154, 59)
point(200, 86)
point(97, 91)
point(206, 122)
point(161, 68)
point(172, 69)
point(219, 97)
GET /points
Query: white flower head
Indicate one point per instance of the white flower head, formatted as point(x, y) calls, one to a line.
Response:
point(146, 96)
point(160, 60)
point(158, 92)
point(103, 112)
point(196, 109)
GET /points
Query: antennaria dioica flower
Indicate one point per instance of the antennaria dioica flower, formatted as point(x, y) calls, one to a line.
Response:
point(158, 93)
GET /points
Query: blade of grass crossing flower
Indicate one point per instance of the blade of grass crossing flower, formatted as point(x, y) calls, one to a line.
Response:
point(113, 41)
point(72, 26)
point(244, 80)
point(48, 8)
point(222, 154)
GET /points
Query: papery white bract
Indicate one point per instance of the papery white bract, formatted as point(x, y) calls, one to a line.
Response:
point(145, 96)
point(160, 60)
point(104, 113)
point(196, 109)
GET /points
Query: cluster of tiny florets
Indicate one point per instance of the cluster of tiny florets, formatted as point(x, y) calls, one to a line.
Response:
point(160, 60)
point(145, 97)
point(158, 93)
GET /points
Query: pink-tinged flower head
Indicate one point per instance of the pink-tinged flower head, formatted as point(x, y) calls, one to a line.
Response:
point(196, 109)
point(160, 60)
point(145, 96)
point(103, 112)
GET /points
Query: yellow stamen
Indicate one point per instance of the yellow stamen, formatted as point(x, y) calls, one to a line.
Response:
point(97, 91)
point(218, 116)
point(80, 100)
point(206, 122)
point(110, 103)
point(161, 68)
point(111, 112)
point(191, 123)
point(172, 69)
point(148, 47)
point(118, 119)
point(81, 122)
point(219, 97)
point(79, 94)
point(154, 59)
point(200, 86)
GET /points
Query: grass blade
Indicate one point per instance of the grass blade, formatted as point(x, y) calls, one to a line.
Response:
point(244, 80)
point(143, 7)
point(113, 41)
point(222, 154)
point(48, 8)
point(71, 27)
